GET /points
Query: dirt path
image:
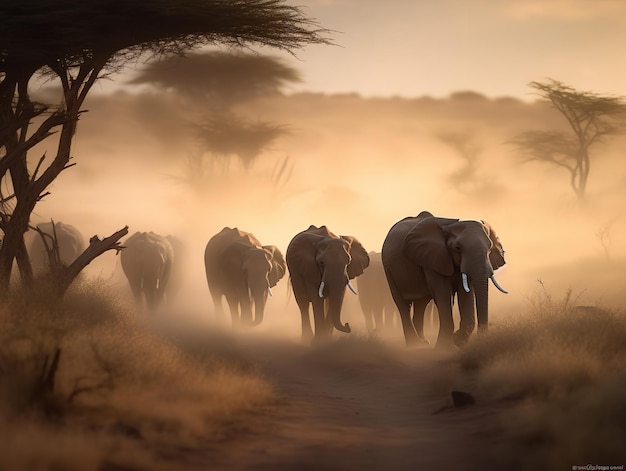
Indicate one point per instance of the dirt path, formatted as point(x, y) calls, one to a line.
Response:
point(347, 406)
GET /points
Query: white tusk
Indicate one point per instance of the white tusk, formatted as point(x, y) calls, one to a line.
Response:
point(158, 279)
point(249, 294)
point(351, 288)
point(493, 279)
point(321, 290)
point(269, 290)
point(465, 283)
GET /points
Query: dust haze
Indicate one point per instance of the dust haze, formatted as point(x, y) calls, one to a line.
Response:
point(356, 165)
point(363, 401)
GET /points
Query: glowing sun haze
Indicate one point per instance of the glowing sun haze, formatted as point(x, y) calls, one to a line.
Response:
point(359, 165)
point(495, 47)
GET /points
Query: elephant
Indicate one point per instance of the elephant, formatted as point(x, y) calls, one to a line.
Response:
point(175, 282)
point(242, 270)
point(374, 295)
point(321, 265)
point(147, 260)
point(70, 241)
point(428, 257)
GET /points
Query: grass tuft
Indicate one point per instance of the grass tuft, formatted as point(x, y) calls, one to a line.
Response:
point(118, 394)
point(565, 366)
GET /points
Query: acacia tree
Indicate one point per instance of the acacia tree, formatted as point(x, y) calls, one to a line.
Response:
point(470, 179)
point(212, 84)
point(590, 116)
point(467, 147)
point(76, 42)
point(218, 80)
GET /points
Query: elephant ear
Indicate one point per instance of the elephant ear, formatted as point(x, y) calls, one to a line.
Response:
point(360, 259)
point(425, 245)
point(279, 267)
point(300, 255)
point(231, 259)
point(496, 256)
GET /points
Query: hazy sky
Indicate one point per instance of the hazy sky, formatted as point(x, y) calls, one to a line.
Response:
point(495, 47)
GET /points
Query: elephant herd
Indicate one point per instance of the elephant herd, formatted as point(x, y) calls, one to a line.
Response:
point(423, 258)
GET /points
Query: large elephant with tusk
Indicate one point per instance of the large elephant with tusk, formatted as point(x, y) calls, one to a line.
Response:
point(242, 270)
point(427, 257)
point(321, 266)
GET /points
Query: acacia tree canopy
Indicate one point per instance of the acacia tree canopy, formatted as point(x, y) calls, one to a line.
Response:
point(219, 79)
point(37, 32)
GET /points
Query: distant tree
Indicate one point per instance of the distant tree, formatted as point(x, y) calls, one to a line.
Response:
point(591, 118)
point(213, 83)
point(466, 146)
point(469, 179)
point(468, 96)
point(220, 137)
point(224, 136)
point(75, 42)
point(219, 79)
point(604, 236)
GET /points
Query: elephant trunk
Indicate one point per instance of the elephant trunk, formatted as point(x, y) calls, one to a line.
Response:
point(336, 289)
point(257, 291)
point(481, 291)
point(480, 282)
point(476, 273)
point(259, 308)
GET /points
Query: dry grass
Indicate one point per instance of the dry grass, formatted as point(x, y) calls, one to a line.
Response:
point(564, 367)
point(122, 395)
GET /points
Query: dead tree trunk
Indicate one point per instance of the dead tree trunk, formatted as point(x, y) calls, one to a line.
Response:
point(62, 278)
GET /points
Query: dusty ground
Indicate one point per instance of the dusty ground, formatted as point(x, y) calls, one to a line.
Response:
point(352, 405)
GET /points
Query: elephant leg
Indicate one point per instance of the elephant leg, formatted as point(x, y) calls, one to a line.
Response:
point(468, 317)
point(446, 324)
point(307, 331)
point(377, 313)
point(389, 314)
point(369, 318)
point(217, 305)
point(419, 308)
point(150, 294)
point(410, 335)
point(441, 292)
point(404, 308)
point(135, 287)
point(246, 310)
point(322, 326)
point(233, 304)
point(299, 292)
point(387, 318)
point(433, 316)
point(156, 300)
